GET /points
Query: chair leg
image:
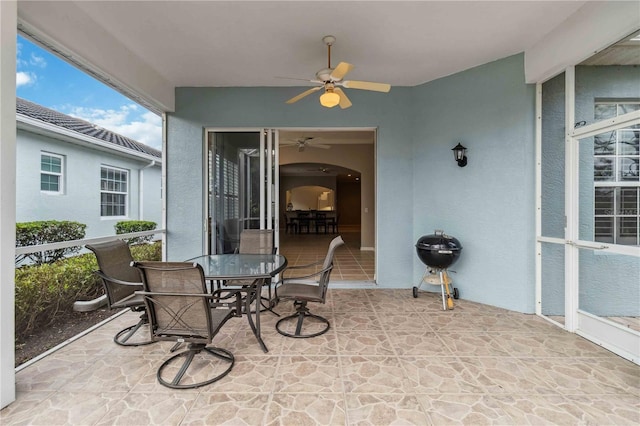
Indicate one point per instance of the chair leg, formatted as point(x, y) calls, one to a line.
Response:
point(302, 313)
point(189, 354)
point(123, 336)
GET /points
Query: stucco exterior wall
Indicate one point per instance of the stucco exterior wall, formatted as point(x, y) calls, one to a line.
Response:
point(419, 186)
point(198, 108)
point(489, 205)
point(81, 198)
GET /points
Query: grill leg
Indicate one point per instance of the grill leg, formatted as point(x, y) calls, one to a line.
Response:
point(442, 284)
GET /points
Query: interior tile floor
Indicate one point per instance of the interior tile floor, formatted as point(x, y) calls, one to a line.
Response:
point(388, 359)
point(350, 263)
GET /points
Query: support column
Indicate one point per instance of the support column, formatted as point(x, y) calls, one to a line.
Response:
point(8, 35)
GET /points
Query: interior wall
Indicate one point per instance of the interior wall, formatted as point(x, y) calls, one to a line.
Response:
point(308, 197)
point(358, 157)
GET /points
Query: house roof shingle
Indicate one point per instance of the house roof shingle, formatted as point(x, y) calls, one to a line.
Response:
point(38, 112)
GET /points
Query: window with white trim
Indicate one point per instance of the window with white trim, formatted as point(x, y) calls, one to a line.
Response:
point(616, 178)
point(51, 173)
point(114, 192)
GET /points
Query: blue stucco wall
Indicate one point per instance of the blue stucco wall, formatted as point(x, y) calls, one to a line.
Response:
point(81, 199)
point(197, 108)
point(488, 205)
point(552, 180)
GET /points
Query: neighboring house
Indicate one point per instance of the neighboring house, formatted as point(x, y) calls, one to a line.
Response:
point(70, 169)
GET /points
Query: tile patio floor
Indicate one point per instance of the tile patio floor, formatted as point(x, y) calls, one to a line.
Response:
point(388, 359)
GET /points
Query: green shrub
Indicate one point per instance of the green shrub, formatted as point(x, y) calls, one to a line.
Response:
point(46, 292)
point(44, 232)
point(127, 226)
point(147, 251)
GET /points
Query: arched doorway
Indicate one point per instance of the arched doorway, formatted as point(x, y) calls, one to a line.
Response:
point(338, 166)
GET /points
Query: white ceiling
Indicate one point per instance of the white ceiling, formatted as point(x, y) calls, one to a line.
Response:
point(243, 43)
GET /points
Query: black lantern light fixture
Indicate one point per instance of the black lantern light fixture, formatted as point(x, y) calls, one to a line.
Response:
point(459, 152)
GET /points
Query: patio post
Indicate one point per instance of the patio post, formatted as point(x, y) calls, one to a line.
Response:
point(8, 37)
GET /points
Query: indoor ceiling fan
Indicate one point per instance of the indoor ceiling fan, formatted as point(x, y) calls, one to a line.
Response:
point(303, 143)
point(331, 79)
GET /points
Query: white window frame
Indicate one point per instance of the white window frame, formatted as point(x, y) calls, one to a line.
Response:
point(60, 175)
point(616, 183)
point(125, 193)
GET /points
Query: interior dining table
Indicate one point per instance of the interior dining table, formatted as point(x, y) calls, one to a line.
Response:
point(260, 269)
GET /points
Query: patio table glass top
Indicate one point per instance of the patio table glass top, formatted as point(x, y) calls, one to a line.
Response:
point(239, 266)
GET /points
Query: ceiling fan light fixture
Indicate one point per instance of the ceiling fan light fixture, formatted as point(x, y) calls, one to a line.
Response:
point(329, 99)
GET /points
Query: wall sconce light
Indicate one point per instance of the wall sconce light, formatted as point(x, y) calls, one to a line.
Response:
point(459, 152)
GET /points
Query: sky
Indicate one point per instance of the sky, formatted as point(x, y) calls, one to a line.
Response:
point(49, 81)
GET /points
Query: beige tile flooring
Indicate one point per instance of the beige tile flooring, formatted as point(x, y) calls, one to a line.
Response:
point(350, 263)
point(387, 359)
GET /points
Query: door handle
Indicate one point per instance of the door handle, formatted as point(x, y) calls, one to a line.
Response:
point(584, 246)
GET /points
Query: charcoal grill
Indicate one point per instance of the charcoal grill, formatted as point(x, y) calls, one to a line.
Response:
point(438, 252)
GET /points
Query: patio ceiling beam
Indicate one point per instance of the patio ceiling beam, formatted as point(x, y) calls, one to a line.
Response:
point(594, 27)
point(97, 52)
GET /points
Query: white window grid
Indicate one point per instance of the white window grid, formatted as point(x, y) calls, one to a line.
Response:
point(114, 192)
point(51, 173)
point(616, 178)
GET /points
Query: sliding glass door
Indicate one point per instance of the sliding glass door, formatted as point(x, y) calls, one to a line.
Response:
point(242, 185)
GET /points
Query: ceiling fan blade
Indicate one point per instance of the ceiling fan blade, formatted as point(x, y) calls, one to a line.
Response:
point(344, 100)
point(299, 79)
point(367, 85)
point(303, 94)
point(340, 71)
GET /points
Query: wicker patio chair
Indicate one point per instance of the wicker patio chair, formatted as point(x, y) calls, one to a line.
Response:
point(182, 310)
point(303, 289)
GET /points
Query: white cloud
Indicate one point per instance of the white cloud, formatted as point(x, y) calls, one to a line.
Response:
point(37, 61)
point(25, 78)
point(145, 128)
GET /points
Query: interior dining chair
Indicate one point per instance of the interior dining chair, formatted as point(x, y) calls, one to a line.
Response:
point(321, 222)
point(121, 281)
point(303, 289)
point(182, 310)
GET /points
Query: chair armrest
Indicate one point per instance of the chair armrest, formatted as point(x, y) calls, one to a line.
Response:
point(108, 278)
point(306, 276)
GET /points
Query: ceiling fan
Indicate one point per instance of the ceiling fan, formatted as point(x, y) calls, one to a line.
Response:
point(303, 143)
point(331, 79)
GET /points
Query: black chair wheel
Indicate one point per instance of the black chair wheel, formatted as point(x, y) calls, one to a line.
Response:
point(456, 295)
point(415, 292)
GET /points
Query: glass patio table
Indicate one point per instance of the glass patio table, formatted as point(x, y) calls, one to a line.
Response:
point(259, 268)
